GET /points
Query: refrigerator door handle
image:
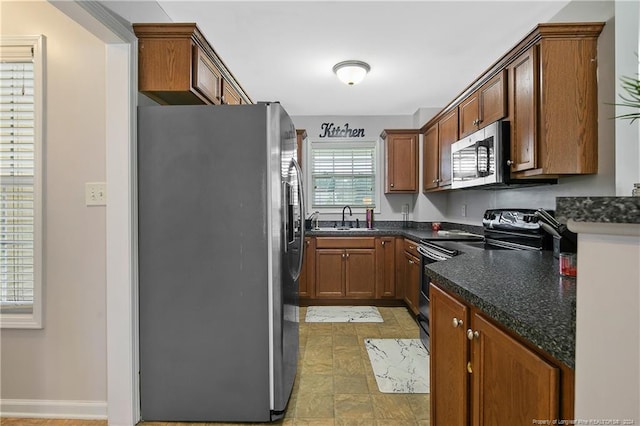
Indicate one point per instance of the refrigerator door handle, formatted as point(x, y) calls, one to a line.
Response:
point(301, 202)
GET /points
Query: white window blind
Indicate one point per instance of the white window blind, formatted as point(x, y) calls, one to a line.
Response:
point(19, 183)
point(343, 175)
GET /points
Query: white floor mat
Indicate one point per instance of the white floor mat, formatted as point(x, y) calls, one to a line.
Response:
point(343, 314)
point(400, 365)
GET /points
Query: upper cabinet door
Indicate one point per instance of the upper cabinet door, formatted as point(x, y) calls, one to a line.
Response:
point(469, 112)
point(207, 79)
point(484, 106)
point(401, 149)
point(524, 90)
point(492, 100)
point(230, 96)
point(447, 134)
point(430, 159)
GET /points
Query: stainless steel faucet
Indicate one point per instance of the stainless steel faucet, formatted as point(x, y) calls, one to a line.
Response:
point(315, 217)
point(350, 213)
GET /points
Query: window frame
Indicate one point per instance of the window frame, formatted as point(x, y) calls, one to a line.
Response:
point(340, 143)
point(33, 320)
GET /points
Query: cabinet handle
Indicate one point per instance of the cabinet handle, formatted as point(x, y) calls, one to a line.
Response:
point(472, 334)
point(411, 262)
point(307, 242)
point(469, 370)
point(509, 162)
point(457, 322)
point(383, 242)
point(392, 185)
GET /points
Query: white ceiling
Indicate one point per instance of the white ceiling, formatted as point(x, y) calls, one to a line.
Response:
point(422, 53)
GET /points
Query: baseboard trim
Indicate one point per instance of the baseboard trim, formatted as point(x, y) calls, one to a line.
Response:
point(49, 409)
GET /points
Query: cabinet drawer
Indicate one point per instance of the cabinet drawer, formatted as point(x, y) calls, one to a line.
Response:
point(411, 247)
point(345, 242)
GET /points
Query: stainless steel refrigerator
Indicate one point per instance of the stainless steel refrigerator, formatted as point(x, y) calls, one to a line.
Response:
point(220, 250)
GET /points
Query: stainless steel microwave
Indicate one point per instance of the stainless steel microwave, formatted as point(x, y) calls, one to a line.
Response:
point(478, 159)
point(481, 160)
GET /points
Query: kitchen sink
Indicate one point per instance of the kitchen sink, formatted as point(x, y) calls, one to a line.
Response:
point(343, 228)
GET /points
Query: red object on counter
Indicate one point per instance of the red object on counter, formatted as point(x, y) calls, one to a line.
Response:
point(568, 264)
point(435, 226)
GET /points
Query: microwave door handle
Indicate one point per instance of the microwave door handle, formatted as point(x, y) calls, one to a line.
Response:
point(485, 145)
point(478, 171)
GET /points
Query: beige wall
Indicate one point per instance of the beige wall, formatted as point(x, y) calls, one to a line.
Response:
point(66, 360)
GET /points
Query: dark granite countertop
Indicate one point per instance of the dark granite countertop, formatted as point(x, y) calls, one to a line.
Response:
point(521, 290)
point(598, 209)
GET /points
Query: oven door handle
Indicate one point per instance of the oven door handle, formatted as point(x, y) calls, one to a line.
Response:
point(430, 254)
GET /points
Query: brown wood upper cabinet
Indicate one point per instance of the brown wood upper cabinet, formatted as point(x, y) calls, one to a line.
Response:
point(230, 95)
point(401, 160)
point(436, 155)
point(430, 159)
point(177, 66)
point(553, 102)
point(484, 106)
point(546, 87)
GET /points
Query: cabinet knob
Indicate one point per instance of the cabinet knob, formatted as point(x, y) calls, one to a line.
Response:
point(469, 370)
point(457, 322)
point(383, 242)
point(392, 185)
point(411, 262)
point(347, 255)
point(509, 162)
point(472, 334)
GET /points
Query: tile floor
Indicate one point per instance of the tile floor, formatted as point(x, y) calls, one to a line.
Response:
point(335, 384)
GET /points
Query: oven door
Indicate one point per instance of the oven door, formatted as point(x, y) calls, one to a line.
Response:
point(424, 307)
point(428, 255)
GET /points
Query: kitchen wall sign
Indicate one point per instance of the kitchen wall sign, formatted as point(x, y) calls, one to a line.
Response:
point(329, 130)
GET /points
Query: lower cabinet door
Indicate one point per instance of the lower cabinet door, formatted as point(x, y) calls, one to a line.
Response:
point(448, 369)
point(329, 273)
point(512, 385)
point(360, 280)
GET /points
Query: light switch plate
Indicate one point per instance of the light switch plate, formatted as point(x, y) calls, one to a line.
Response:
point(95, 193)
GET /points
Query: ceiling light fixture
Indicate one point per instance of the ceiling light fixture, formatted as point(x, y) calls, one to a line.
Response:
point(351, 72)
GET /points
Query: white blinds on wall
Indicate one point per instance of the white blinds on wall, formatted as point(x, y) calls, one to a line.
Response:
point(17, 179)
point(343, 176)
